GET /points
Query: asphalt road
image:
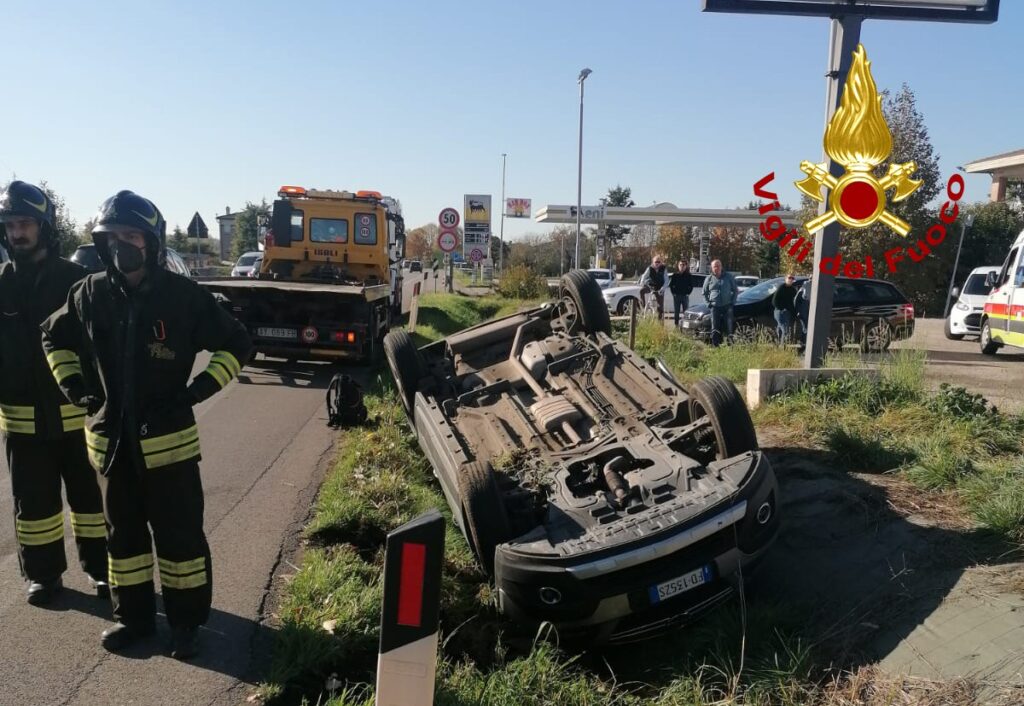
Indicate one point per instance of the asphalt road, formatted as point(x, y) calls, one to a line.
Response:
point(265, 448)
point(997, 377)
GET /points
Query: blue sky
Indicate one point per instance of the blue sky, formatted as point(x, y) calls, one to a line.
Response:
point(199, 106)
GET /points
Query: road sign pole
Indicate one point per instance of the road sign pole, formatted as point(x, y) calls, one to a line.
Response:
point(843, 40)
point(501, 228)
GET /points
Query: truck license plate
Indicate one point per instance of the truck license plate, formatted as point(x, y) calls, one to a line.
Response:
point(289, 333)
point(680, 584)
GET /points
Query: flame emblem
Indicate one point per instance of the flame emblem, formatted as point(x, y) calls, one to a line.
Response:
point(858, 138)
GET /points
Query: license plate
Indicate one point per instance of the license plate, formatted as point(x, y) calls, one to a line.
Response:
point(289, 333)
point(687, 324)
point(663, 591)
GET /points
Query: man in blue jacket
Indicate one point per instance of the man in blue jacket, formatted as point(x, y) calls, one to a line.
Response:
point(720, 294)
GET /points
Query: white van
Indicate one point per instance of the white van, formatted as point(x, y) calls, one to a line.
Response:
point(1002, 323)
point(968, 303)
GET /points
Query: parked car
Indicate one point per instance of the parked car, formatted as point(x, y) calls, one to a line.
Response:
point(1002, 321)
point(601, 494)
point(86, 256)
point(415, 266)
point(871, 313)
point(257, 263)
point(618, 297)
point(965, 317)
point(745, 282)
point(605, 277)
point(244, 265)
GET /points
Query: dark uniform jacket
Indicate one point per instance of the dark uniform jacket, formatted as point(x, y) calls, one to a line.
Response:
point(137, 351)
point(31, 404)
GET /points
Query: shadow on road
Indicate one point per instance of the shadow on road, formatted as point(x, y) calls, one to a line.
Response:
point(305, 374)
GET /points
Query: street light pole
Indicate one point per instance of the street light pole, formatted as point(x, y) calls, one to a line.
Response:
point(501, 228)
point(967, 223)
point(579, 172)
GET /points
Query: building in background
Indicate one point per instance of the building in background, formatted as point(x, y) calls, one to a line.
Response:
point(1003, 168)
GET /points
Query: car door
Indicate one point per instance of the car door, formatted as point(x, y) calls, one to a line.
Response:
point(845, 320)
point(998, 306)
point(1015, 309)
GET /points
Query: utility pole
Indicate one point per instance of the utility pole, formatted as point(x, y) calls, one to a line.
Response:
point(501, 228)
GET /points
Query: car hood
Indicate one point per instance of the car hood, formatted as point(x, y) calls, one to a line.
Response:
point(975, 301)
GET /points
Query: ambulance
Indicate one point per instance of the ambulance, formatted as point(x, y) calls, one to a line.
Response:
point(1002, 321)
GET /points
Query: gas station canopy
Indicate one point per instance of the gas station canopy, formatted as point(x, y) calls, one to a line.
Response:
point(662, 213)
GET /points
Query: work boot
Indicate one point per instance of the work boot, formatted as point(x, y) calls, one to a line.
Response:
point(42, 592)
point(184, 643)
point(102, 588)
point(118, 636)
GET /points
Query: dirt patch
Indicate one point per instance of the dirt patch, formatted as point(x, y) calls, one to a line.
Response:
point(889, 574)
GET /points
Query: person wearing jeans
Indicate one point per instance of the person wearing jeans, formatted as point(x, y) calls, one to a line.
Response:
point(784, 303)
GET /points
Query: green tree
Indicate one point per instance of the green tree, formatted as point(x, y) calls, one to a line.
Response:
point(178, 240)
point(65, 227)
point(246, 234)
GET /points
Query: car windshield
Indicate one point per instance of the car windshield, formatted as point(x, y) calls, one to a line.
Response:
point(760, 291)
point(976, 285)
point(599, 274)
point(88, 258)
point(246, 260)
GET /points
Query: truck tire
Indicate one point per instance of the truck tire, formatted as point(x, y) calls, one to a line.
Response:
point(583, 304)
point(718, 399)
point(483, 512)
point(407, 367)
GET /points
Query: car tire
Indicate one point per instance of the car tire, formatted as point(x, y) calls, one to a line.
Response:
point(949, 332)
point(876, 338)
point(985, 342)
point(720, 401)
point(483, 512)
point(407, 367)
point(623, 308)
point(583, 304)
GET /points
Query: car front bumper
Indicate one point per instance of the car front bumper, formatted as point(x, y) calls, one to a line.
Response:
point(613, 596)
point(965, 322)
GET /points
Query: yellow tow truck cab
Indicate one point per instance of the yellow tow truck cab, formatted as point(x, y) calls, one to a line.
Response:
point(330, 282)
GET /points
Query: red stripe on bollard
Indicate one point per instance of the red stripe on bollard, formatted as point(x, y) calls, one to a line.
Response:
point(410, 590)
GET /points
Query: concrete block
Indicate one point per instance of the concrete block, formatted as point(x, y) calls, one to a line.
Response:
point(764, 383)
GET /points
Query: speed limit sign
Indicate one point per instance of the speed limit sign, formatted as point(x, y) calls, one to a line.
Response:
point(448, 219)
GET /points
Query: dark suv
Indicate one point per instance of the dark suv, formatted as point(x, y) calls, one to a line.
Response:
point(87, 257)
point(871, 313)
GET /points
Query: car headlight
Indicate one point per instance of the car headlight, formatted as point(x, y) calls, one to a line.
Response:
point(962, 307)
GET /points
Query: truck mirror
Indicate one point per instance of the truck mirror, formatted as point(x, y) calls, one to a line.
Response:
point(281, 223)
point(991, 278)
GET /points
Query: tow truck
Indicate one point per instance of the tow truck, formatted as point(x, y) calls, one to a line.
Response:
point(330, 284)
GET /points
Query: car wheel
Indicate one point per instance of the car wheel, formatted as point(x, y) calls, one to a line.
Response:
point(582, 305)
point(876, 338)
point(406, 365)
point(718, 399)
point(483, 511)
point(624, 303)
point(988, 346)
point(949, 332)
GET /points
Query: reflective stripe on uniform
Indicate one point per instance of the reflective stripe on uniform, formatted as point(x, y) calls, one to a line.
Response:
point(88, 525)
point(97, 448)
point(72, 416)
point(17, 420)
point(33, 533)
point(182, 574)
point(130, 571)
point(223, 367)
point(171, 448)
point(64, 364)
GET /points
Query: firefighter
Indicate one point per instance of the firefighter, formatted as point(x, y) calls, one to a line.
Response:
point(43, 434)
point(124, 345)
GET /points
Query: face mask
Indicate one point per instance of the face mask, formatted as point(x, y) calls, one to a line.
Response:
point(127, 258)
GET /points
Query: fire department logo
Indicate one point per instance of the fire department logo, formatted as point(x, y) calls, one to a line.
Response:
point(159, 351)
point(858, 137)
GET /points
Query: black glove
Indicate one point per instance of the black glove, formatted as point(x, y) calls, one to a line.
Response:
point(91, 403)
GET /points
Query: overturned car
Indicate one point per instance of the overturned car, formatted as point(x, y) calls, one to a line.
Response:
point(602, 495)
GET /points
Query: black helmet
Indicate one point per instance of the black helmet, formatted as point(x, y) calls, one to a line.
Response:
point(127, 210)
point(25, 200)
